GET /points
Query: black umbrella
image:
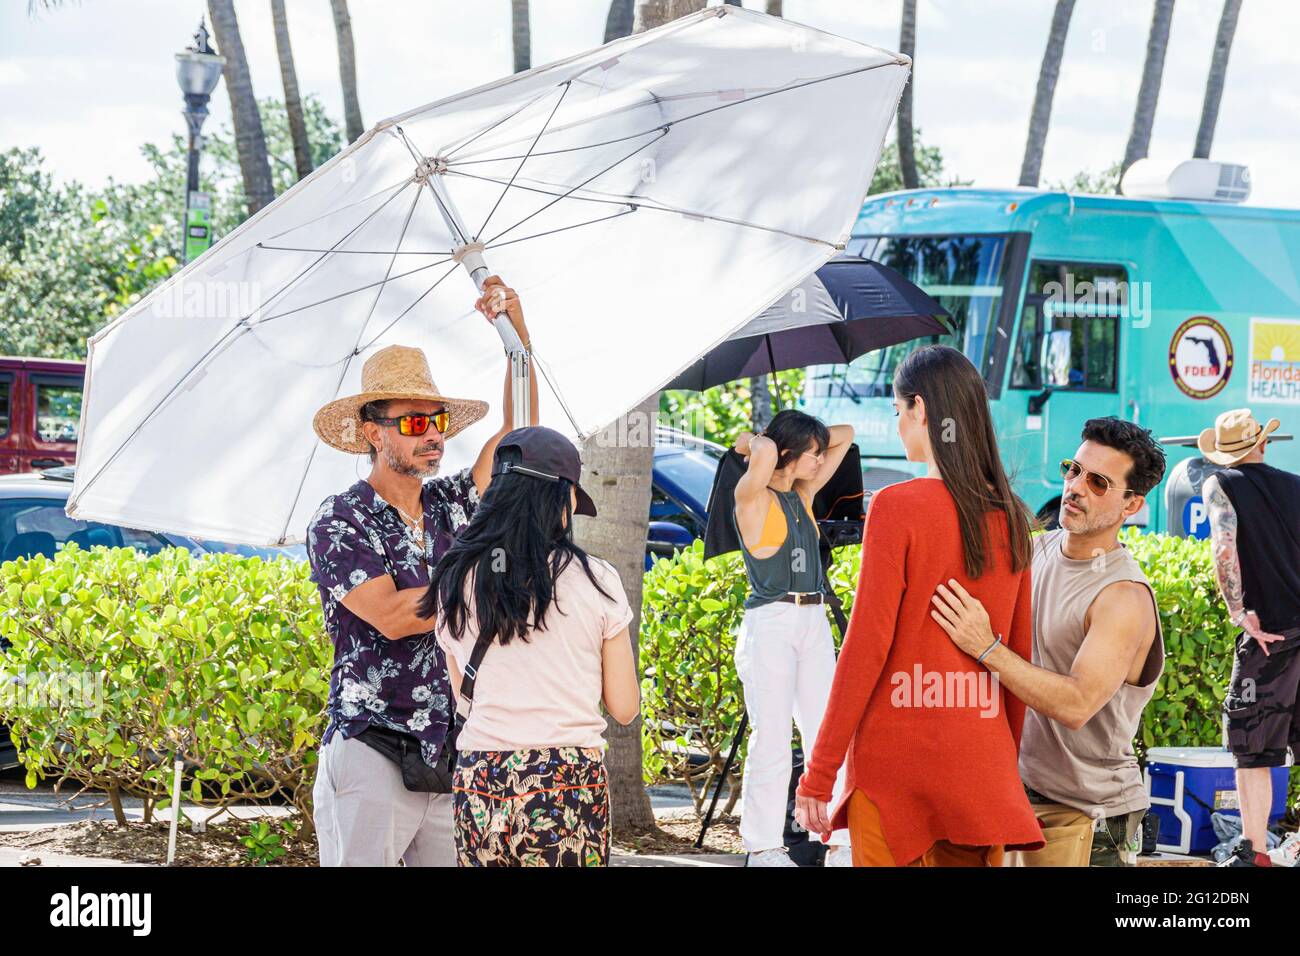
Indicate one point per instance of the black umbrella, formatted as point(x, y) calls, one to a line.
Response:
point(849, 307)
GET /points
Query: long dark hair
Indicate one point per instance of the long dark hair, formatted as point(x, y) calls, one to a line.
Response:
point(965, 449)
point(516, 545)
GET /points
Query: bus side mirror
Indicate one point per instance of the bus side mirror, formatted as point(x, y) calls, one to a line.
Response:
point(1056, 359)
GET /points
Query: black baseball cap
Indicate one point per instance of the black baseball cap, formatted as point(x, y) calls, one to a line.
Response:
point(544, 453)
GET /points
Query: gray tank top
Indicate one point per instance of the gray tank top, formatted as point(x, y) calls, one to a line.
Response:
point(1094, 768)
point(796, 563)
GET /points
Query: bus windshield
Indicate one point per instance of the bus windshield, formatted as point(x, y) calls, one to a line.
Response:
point(964, 273)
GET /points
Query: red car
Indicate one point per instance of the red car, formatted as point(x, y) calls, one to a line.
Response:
point(40, 410)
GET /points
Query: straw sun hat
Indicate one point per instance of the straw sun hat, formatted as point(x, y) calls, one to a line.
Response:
point(392, 373)
point(1234, 436)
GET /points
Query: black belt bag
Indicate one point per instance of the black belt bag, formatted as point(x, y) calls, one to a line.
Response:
point(404, 749)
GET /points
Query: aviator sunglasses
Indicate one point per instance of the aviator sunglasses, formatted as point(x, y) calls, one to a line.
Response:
point(1098, 484)
point(417, 423)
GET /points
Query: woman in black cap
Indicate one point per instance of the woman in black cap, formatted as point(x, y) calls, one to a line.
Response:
point(536, 636)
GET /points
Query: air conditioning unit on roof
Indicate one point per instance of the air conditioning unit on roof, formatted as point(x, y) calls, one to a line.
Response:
point(1202, 179)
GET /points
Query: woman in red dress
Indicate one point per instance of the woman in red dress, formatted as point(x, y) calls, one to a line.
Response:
point(931, 738)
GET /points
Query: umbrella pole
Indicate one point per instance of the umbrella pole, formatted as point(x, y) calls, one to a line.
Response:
point(470, 255)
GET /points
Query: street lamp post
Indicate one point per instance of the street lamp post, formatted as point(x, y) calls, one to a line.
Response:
point(198, 69)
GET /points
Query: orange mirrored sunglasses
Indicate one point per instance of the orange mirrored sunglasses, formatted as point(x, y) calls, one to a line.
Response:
point(417, 424)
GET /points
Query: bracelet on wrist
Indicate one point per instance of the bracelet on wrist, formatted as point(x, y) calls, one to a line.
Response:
point(989, 650)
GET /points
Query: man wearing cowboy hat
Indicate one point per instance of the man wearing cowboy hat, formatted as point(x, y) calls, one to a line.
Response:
point(371, 548)
point(1255, 529)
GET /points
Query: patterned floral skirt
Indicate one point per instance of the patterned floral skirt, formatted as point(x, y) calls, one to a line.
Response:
point(531, 807)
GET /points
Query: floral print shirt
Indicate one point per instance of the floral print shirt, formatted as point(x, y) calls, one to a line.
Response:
point(354, 537)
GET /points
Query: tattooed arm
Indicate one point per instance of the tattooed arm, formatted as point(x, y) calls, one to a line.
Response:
point(1227, 567)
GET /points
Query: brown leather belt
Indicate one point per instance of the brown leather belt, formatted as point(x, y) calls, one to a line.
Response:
point(798, 598)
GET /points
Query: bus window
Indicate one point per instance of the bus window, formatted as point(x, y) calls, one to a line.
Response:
point(963, 272)
point(1085, 298)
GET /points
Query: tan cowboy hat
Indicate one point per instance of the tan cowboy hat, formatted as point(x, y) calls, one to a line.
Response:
point(395, 372)
point(1234, 436)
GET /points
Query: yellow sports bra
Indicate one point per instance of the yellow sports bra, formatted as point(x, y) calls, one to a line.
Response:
point(774, 526)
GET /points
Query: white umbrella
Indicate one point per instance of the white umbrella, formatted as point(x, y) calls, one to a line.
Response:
point(690, 175)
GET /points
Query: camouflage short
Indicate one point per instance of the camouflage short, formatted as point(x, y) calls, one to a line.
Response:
point(1261, 713)
point(1117, 841)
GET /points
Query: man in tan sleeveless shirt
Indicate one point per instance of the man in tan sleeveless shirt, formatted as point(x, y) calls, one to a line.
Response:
point(1098, 652)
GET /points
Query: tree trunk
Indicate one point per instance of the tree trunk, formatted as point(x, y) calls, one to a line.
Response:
point(655, 13)
point(292, 98)
point(1214, 82)
point(250, 143)
point(618, 22)
point(519, 35)
point(348, 70)
point(616, 466)
point(1139, 138)
point(774, 8)
point(115, 801)
point(906, 142)
point(1041, 115)
point(760, 398)
point(616, 473)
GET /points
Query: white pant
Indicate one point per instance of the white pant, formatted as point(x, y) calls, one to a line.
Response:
point(785, 657)
point(365, 816)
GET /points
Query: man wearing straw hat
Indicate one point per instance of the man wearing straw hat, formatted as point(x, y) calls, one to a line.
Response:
point(371, 548)
point(1255, 529)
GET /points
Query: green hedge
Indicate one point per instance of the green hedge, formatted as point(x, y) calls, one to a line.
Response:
point(224, 661)
point(121, 662)
point(692, 697)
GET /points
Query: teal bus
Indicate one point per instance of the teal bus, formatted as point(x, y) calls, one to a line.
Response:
point(1163, 311)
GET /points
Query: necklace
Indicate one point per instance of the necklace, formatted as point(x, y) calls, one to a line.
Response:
point(416, 528)
point(798, 509)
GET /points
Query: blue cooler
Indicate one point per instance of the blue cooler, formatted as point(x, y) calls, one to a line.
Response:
point(1187, 784)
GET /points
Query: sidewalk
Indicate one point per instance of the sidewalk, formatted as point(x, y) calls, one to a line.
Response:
point(28, 810)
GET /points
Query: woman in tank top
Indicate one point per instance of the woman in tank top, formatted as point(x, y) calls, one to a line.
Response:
point(785, 654)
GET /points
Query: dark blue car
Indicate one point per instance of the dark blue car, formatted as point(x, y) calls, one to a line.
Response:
point(684, 467)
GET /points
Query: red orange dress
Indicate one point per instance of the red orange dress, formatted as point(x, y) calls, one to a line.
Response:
point(931, 739)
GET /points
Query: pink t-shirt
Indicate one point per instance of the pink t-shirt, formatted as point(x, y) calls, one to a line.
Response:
point(545, 692)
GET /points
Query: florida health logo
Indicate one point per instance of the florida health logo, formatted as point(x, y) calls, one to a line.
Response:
point(75, 909)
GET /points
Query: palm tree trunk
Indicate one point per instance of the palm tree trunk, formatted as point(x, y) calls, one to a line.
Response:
point(906, 142)
point(1041, 116)
point(616, 466)
point(1214, 82)
point(292, 98)
point(250, 143)
point(1139, 138)
point(655, 13)
point(519, 35)
point(618, 22)
point(347, 70)
point(760, 400)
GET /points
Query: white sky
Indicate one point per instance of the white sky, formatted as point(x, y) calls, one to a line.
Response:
point(91, 82)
